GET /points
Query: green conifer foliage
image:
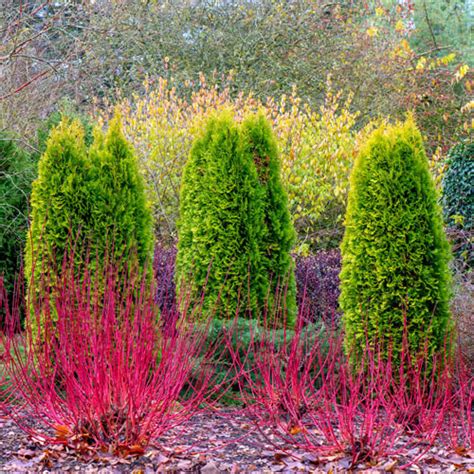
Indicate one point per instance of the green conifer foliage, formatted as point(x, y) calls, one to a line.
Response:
point(121, 219)
point(220, 223)
point(395, 254)
point(278, 236)
point(60, 205)
point(18, 169)
point(88, 201)
point(15, 183)
point(52, 121)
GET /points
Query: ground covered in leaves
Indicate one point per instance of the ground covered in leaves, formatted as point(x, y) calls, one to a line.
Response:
point(211, 444)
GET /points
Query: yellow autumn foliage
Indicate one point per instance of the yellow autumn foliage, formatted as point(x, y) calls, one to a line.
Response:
point(317, 149)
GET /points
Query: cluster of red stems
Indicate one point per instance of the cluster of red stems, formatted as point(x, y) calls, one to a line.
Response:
point(317, 399)
point(104, 372)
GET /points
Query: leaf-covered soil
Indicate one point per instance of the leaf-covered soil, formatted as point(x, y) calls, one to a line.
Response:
point(211, 444)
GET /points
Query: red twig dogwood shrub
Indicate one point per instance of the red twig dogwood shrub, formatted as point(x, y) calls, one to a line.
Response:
point(310, 395)
point(460, 419)
point(105, 374)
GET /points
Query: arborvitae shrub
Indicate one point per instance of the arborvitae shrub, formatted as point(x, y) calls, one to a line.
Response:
point(18, 169)
point(278, 236)
point(121, 218)
point(394, 252)
point(60, 206)
point(458, 201)
point(86, 204)
point(53, 120)
point(220, 223)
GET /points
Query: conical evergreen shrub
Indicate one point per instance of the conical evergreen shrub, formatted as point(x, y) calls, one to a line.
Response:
point(60, 207)
point(121, 218)
point(220, 223)
point(18, 169)
point(394, 252)
point(278, 236)
point(60, 198)
point(65, 110)
point(90, 202)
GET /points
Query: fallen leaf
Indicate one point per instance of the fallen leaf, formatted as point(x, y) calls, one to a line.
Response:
point(294, 430)
point(62, 432)
point(461, 450)
point(135, 450)
point(279, 456)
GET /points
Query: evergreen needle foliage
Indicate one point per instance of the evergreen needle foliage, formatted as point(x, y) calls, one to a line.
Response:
point(60, 207)
point(394, 253)
point(278, 236)
point(121, 219)
point(60, 199)
point(220, 223)
point(235, 230)
point(85, 204)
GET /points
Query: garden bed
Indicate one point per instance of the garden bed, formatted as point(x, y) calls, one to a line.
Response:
point(211, 443)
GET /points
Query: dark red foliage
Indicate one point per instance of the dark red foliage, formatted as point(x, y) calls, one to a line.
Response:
point(317, 279)
point(163, 270)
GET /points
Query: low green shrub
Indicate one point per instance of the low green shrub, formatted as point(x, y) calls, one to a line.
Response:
point(235, 337)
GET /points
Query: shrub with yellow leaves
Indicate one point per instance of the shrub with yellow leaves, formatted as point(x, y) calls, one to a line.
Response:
point(317, 149)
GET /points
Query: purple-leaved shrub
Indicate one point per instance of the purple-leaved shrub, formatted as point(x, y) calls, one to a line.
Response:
point(317, 280)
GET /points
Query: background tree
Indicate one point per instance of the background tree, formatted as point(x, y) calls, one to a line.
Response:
point(93, 49)
point(394, 253)
point(40, 54)
point(16, 175)
point(441, 25)
point(458, 201)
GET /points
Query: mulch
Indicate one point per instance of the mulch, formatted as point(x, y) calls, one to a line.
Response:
point(211, 444)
